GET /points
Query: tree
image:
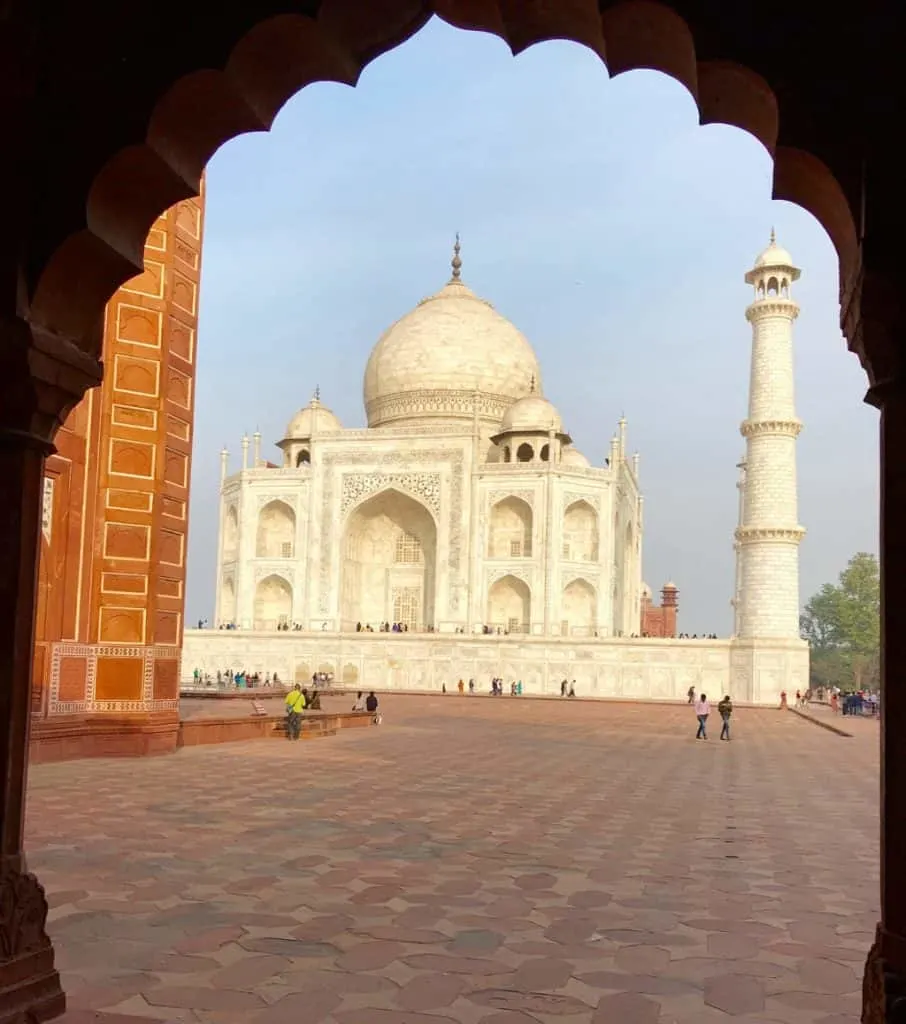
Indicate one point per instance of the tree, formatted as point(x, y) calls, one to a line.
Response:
point(842, 623)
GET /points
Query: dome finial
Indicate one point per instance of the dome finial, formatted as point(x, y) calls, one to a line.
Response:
point(316, 397)
point(456, 262)
point(773, 237)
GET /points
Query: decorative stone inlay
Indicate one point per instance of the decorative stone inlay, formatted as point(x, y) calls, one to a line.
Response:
point(461, 402)
point(358, 486)
point(451, 460)
point(527, 496)
point(748, 534)
point(47, 508)
point(754, 428)
point(287, 499)
point(23, 914)
point(591, 577)
point(90, 652)
point(571, 497)
point(273, 569)
point(521, 574)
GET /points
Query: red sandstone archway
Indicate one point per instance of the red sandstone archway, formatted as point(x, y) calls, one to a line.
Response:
point(187, 116)
point(112, 117)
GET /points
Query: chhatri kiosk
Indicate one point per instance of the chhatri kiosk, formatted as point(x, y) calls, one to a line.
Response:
point(465, 515)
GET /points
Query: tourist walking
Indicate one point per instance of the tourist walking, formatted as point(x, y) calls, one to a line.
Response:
point(691, 695)
point(725, 709)
point(702, 710)
point(295, 705)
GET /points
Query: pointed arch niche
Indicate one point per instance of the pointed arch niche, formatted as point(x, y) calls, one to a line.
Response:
point(389, 563)
point(580, 532)
point(276, 534)
point(273, 603)
point(227, 600)
point(510, 529)
point(510, 605)
point(230, 534)
point(578, 609)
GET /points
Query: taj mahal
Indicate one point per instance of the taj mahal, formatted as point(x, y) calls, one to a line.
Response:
point(463, 533)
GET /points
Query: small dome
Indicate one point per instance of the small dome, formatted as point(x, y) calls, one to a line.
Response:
point(573, 457)
point(646, 592)
point(670, 586)
point(314, 418)
point(774, 256)
point(532, 412)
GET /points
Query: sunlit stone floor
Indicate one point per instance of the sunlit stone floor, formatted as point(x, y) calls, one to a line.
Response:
point(500, 861)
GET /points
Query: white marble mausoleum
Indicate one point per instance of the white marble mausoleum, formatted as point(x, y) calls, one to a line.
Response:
point(466, 513)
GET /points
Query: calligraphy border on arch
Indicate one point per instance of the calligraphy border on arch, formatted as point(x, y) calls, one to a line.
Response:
point(397, 461)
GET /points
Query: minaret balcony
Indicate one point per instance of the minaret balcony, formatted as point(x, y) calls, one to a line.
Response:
point(782, 427)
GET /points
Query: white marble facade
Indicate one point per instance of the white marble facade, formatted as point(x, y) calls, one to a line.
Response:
point(463, 506)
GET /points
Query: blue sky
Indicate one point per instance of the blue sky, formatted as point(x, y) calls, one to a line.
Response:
point(598, 216)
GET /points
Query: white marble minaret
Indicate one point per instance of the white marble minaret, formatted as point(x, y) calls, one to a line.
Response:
point(768, 537)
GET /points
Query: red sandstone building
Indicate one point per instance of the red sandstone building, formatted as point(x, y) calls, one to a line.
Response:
point(660, 620)
point(111, 582)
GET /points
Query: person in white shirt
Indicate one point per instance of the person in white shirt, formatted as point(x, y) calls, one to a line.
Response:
point(702, 710)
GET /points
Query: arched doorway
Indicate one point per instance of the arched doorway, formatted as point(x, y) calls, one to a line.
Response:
point(388, 563)
point(580, 533)
point(273, 603)
point(510, 605)
point(276, 532)
point(579, 609)
point(510, 529)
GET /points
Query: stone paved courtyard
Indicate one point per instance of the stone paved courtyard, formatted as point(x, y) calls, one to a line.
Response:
point(473, 860)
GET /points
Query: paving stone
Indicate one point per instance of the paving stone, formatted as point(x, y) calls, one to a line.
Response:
point(430, 991)
point(734, 994)
point(390, 893)
point(626, 1008)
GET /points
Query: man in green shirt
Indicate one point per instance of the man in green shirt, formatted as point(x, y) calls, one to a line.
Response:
point(725, 709)
point(295, 705)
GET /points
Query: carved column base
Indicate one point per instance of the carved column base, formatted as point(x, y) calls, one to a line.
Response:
point(30, 990)
point(883, 989)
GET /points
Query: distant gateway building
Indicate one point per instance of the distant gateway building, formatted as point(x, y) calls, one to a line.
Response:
point(464, 509)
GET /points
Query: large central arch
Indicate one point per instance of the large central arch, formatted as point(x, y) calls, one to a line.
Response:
point(388, 563)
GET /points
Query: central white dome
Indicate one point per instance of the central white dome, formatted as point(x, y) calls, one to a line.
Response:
point(451, 352)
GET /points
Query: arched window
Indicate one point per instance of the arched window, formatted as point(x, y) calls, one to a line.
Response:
point(525, 452)
point(546, 453)
point(759, 291)
point(273, 603)
point(276, 531)
point(303, 458)
point(507, 454)
point(773, 288)
point(510, 533)
point(510, 605)
point(580, 533)
point(785, 288)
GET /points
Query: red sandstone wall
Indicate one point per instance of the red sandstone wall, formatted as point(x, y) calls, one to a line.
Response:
point(112, 572)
